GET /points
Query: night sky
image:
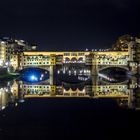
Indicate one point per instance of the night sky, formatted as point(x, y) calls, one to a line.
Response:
point(69, 24)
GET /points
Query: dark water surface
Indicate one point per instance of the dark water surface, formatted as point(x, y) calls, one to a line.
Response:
point(110, 112)
point(68, 118)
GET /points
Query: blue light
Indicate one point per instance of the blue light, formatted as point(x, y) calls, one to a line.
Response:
point(33, 78)
point(34, 75)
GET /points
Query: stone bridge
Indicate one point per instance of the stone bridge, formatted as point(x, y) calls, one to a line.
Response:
point(96, 60)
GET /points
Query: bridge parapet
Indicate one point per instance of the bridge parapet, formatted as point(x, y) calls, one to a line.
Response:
point(111, 91)
point(37, 89)
point(75, 57)
point(111, 58)
point(37, 61)
point(97, 60)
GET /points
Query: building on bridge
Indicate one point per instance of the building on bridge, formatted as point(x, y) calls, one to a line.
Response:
point(125, 54)
point(96, 60)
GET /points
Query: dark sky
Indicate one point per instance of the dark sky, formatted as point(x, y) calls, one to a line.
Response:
point(69, 24)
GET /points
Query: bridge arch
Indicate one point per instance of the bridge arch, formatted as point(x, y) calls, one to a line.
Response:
point(67, 60)
point(38, 67)
point(74, 60)
point(71, 89)
point(114, 83)
point(35, 68)
point(111, 67)
point(66, 88)
point(80, 59)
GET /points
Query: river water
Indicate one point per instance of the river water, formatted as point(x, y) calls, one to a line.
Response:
point(70, 107)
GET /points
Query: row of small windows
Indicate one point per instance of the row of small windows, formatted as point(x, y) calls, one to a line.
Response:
point(110, 87)
point(110, 56)
point(34, 90)
point(112, 93)
point(73, 94)
point(36, 57)
point(112, 62)
point(39, 59)
point(36, 86)
point(74, 54)
point(40, 63)
point(36, 63)
point(37, 92)
point(111, 59)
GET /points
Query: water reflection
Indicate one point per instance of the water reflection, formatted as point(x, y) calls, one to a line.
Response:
point(126, 93)
point(34, 75)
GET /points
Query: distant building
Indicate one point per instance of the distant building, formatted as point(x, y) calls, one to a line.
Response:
point(2, 53)
point(11, 50)
point(3, 99)
point(122, 43)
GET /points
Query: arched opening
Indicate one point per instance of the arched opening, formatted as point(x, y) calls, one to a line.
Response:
point(80, 60)
point(34, 75)
point(114, 74)
point(120, 70)
point(73, 60)
point(66, 88)
point(67, 60)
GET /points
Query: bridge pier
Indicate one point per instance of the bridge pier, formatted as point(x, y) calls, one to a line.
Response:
point(133, 68)
point(94, 70)
point(136, 99)
point(95, 84)
point(133, 62)
point(51, 69)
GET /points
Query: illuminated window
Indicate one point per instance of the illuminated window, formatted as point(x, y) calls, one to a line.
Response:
point(73, 54)
point(66, 54)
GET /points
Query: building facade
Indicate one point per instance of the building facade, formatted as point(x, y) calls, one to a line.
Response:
point(125, 54)
point(11, 50)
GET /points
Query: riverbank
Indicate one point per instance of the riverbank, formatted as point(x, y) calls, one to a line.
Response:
point(4, 75)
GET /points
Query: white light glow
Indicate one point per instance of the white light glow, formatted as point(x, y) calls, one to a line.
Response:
point(33, 77)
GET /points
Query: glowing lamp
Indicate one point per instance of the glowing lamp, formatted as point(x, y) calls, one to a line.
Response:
point(33, 78)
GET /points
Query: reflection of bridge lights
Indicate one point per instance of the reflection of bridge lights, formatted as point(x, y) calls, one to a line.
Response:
point(21, 100)
point(1, 62)
point(84, 71)
point(6, 63)
point(6, 90)
point(58, 72)
point(34, 75)
point(3, 107)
